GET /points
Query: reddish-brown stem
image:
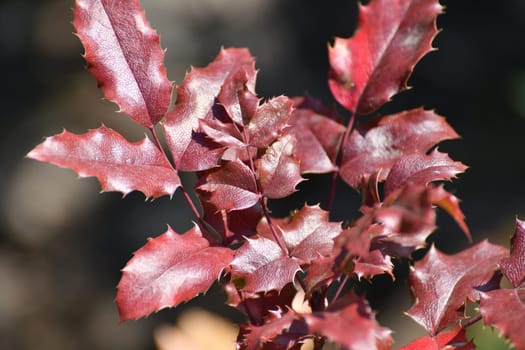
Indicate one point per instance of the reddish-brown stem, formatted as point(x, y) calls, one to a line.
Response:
point(196, 213)
point(331, 194)
point(470, 321)
point(246, 307)
point(278, 238)
point(338, 160)
point(340, 288)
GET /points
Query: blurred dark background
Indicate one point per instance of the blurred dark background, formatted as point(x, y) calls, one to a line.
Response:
point(62, 244)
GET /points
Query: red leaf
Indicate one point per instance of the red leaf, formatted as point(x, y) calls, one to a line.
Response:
point(275, 326)
point(320, 272)
point(118, 164)
point(454, 339)
point(408, 218)
point(195, 98)
point(318, 135)
point(350, 313)
point(442, 283)
point(168, 270)
point(231, 225)
point(377, 145)
point(375, 263)
point(450, 203)
point(307, 233)
point(260, 265)
point(238, 98)
point(268, 122)
point(356, 238)
point(223, 133)
point(505, 310)
point(279, 172)
point(421, 169)
point(124, 55)
point(513, 267)
point(260, 306)
point(231, 187)
point(368, 69)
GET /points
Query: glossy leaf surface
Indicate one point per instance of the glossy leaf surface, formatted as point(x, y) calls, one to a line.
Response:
point(350, 313)
point(124, 55)
point(231, 187)
point(195, 99)
point(318, 134)
point(268, 121)
point(279, 171)
point(307, 233)
point(168, 270)
point(372, 66)
point(260, 336)
point(118, 164)
point(377, 145)
point(375, 263)
point(442, 283)
point(505, 310)
point(260, 265)
point(421, 169)
point(513, 267)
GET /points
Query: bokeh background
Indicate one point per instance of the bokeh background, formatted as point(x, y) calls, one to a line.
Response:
point(62, 244)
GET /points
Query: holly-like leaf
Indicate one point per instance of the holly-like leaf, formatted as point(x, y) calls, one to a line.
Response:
point(278, 323)
point(123, 53)
point(260, 306)
point(307, 233)
point(260, 265)
point(118, 164)
point(223, 133)
point(377, 145)
point(168, 270)
point(238, 98)
point(504, 309)
point(269, 121)
point(279, 172)
point(356, 238)
point(318, 133)
point(442, 283)
point(320, 272)
point(513, 267)
point(407, 217)
point(421, 169)
point(449, 203)
point(454, 339)
point(368, 69)
point(350, 313)
point(375, 263)
point(230, 187)
point(195, 98)
point(230, 225)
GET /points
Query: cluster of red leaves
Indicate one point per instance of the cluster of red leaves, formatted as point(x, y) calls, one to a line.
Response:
point(245, 150)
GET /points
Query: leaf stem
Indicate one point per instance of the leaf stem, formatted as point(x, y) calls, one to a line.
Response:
point(246, 307)
point(204, 228)
point(470, 321)
point(278, 238)
point(340, 288)
point(338, 160)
